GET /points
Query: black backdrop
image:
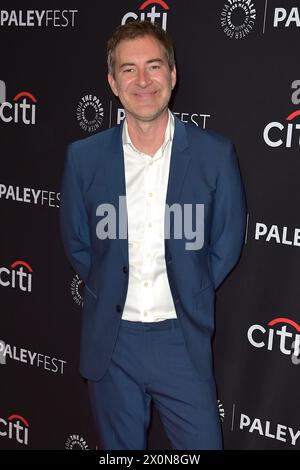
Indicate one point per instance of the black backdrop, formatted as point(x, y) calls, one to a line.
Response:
point(238, 75)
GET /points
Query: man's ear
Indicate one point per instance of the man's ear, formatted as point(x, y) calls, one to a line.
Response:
point(112, 84)
point(173, 77)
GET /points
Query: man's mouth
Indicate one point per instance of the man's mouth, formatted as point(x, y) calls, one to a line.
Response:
point(145, 94)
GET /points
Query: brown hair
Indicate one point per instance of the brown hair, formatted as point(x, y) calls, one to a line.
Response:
point(136, 29)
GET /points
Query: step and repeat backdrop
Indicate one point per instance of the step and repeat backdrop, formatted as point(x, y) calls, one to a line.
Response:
point(238, 70)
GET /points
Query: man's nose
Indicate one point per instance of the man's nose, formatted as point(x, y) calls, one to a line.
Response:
point(143, 78)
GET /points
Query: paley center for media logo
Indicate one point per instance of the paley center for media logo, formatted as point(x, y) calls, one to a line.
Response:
point(15, 427)
point(76, 288)
point(22, 108)
point(285, 133)
point(76, 442)
point(280, 334)
point(90, 113)
point(17, 276)
point(157, 13)
point(221, 410)
point(238, 18)
point(37, 18)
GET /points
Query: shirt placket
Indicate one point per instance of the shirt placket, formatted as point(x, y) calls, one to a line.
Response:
point(147, 254)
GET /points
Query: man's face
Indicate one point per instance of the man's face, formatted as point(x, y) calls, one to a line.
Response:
point(142, 80)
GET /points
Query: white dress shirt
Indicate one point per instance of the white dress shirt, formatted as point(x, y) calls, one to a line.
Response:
point(149, 297)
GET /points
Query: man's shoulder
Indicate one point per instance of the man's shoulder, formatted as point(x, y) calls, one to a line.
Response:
point(93, 150)
point(208, 137)
point(95, 140)
point(210, 147)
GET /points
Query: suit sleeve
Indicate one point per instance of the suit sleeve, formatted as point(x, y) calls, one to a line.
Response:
point(74, 225)
point(228, 219)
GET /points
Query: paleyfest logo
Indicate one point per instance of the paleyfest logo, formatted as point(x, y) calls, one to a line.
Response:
point(238, 18)
point(153, 15)
point(286, 18)
point(269, 429)
point(37, 18)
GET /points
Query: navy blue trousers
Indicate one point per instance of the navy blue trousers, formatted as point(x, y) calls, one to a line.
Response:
point(150, 363)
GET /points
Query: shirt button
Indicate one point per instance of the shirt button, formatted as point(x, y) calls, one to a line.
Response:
point(145, 313)
point(150, 194)
point(118, 308)
point(149, 225)
point(125, 269)
point(145, 284)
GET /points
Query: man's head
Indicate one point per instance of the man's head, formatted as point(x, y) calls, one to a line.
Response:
point(141, 68)
point(139, 29)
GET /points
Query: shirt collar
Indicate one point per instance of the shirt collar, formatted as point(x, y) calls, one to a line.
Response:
point(126, 140)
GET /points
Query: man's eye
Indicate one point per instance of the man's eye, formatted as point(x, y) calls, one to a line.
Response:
point(154, 67)
point(128, 70)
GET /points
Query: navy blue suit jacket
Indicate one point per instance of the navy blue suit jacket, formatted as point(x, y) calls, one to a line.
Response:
point(203, 170)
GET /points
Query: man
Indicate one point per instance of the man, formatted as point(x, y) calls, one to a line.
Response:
point(128, 196)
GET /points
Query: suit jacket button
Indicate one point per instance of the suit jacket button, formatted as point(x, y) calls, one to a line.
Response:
point(119, 308)
point(125, 269)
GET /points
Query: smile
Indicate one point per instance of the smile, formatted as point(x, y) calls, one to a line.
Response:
point(145, 95)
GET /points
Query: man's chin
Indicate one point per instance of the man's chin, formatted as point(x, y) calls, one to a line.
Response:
point(147, 116)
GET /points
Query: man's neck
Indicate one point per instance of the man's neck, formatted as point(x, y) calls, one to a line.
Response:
point(147, 137)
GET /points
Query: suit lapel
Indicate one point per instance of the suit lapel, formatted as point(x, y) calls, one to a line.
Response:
point(115, 172)
point(115, 182)
point(180, 158)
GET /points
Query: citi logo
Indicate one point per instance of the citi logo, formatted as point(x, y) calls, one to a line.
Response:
point(17, 276)
point(22, 109)
point(15, 427)
point(277, 134)
point(153, 15)
point(288, 342)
